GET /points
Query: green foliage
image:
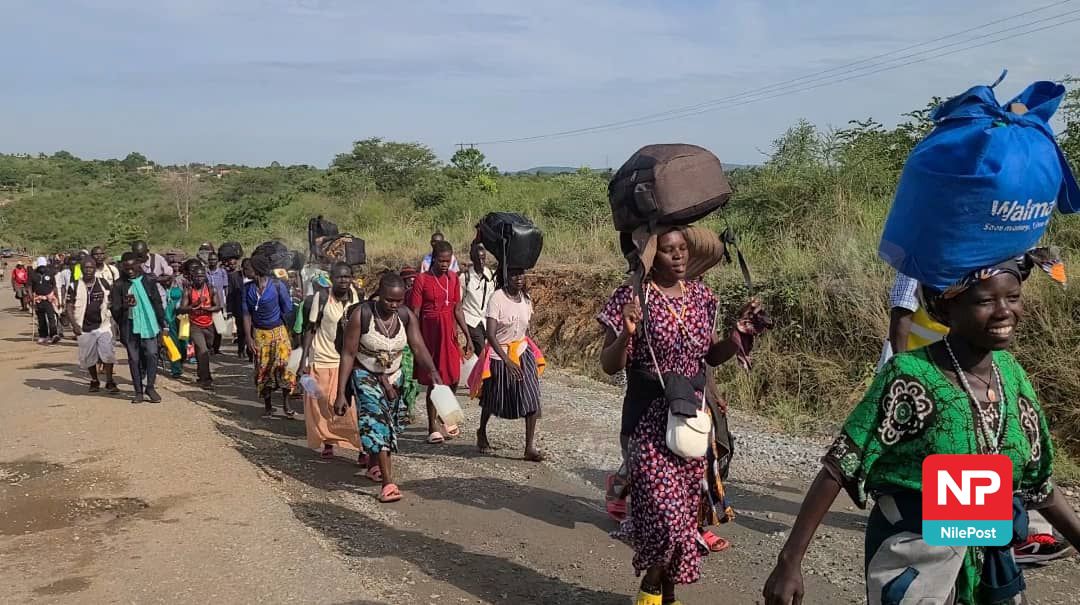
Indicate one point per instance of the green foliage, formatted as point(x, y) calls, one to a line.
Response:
point(581, 198)
point(253, 213)
point(391, 165)
point(433, 190)
point(134, 160)
point(467, 165)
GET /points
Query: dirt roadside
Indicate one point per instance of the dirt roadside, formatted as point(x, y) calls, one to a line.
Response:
point(198, 499)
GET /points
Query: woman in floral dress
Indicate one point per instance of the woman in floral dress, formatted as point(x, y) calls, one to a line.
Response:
point(665, 489)
point(963, 395)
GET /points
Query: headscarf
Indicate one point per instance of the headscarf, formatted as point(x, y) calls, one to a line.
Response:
point(1048, 259)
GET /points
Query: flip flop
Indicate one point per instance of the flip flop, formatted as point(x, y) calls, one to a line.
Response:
point(435, 438)
point(452, 431)
point(374, 473)
point(390, 493)
point(714, 542)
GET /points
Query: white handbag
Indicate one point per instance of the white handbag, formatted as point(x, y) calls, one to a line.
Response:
point(686, 437)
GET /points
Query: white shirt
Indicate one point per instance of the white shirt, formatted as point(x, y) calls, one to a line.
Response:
point(63, 282)
point(476, 291)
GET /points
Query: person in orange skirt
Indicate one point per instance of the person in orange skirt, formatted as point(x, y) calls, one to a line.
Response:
point(326, 312)
point(435, 298)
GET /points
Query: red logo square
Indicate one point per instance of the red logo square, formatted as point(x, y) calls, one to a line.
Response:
point(967, 487)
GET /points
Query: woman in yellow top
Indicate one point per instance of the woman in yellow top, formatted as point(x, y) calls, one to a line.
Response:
point(325, 314)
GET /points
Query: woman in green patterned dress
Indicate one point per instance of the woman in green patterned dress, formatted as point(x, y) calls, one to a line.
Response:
point(964, 395)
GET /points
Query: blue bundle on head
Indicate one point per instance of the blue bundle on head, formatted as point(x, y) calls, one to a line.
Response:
point(980, 187)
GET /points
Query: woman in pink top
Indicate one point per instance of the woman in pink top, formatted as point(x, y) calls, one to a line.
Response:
point(511, 387)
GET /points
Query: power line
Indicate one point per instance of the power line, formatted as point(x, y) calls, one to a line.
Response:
point(871, 68)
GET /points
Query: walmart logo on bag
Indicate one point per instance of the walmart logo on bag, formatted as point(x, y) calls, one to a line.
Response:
point(1016, 211)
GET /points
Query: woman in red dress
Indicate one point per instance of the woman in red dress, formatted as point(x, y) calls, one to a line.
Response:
point(435, 298)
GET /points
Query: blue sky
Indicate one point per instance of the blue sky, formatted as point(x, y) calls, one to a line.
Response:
point(296, 81)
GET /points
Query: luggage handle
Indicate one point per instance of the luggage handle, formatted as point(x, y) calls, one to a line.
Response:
point(728, 237)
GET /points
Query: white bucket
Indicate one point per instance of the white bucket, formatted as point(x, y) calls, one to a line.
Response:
point(222, 325)
point(294, 359)
point(446, 405)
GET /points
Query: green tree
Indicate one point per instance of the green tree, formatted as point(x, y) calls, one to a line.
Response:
point(799, 149)
point(134, 160)
point(393, 166)
point(470, 163)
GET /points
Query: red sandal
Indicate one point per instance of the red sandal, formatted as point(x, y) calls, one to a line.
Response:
point(616, 506)
point(714, 542)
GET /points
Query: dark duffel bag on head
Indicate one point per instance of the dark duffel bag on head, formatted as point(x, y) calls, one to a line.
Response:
point(230, 250)
point(512, 239)
point(277, 252)
point(298, 260)
point(667, 185)
point(319, 230)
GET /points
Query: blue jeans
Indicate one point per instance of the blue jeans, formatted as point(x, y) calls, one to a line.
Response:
point(142, 360)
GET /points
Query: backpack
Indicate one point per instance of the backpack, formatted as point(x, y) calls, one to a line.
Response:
point(323, 295)
point(669, 184)
point(511, 238)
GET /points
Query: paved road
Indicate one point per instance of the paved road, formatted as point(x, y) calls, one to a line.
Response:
point(199, 499)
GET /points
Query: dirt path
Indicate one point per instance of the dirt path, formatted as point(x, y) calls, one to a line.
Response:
point(199, 499)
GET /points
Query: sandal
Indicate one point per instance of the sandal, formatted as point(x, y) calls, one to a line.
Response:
point(452, 431)
point(327, 452)
point(374, 473)
point(435, 438)
point(614, 500)
point(390, 493)
point(714, 542)
point(362, 460)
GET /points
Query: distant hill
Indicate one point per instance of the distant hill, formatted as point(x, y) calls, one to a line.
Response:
point(548, 170)
point(567, 169)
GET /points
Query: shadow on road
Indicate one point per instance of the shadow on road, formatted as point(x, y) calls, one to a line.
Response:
point(485, 577)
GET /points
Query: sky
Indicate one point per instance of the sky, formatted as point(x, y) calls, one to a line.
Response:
point(297, 81)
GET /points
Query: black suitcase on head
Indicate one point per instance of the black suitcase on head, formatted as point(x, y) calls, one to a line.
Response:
point(512, 239)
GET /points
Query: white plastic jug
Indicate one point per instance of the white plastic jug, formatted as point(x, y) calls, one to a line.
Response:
point(446, 405)
point(294, 360)
point(467, 366)
point(222, 325)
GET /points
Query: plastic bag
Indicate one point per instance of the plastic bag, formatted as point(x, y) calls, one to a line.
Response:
point(981, 187)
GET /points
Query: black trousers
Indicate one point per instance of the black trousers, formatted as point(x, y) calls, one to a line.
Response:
point(203, 339)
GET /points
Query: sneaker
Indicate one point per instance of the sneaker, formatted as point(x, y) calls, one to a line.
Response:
point(152, 395)
point(1041, 549)
point(111, 387)
point(95, 386)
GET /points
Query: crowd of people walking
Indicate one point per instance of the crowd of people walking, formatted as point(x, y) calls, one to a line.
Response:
point(946, 383)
